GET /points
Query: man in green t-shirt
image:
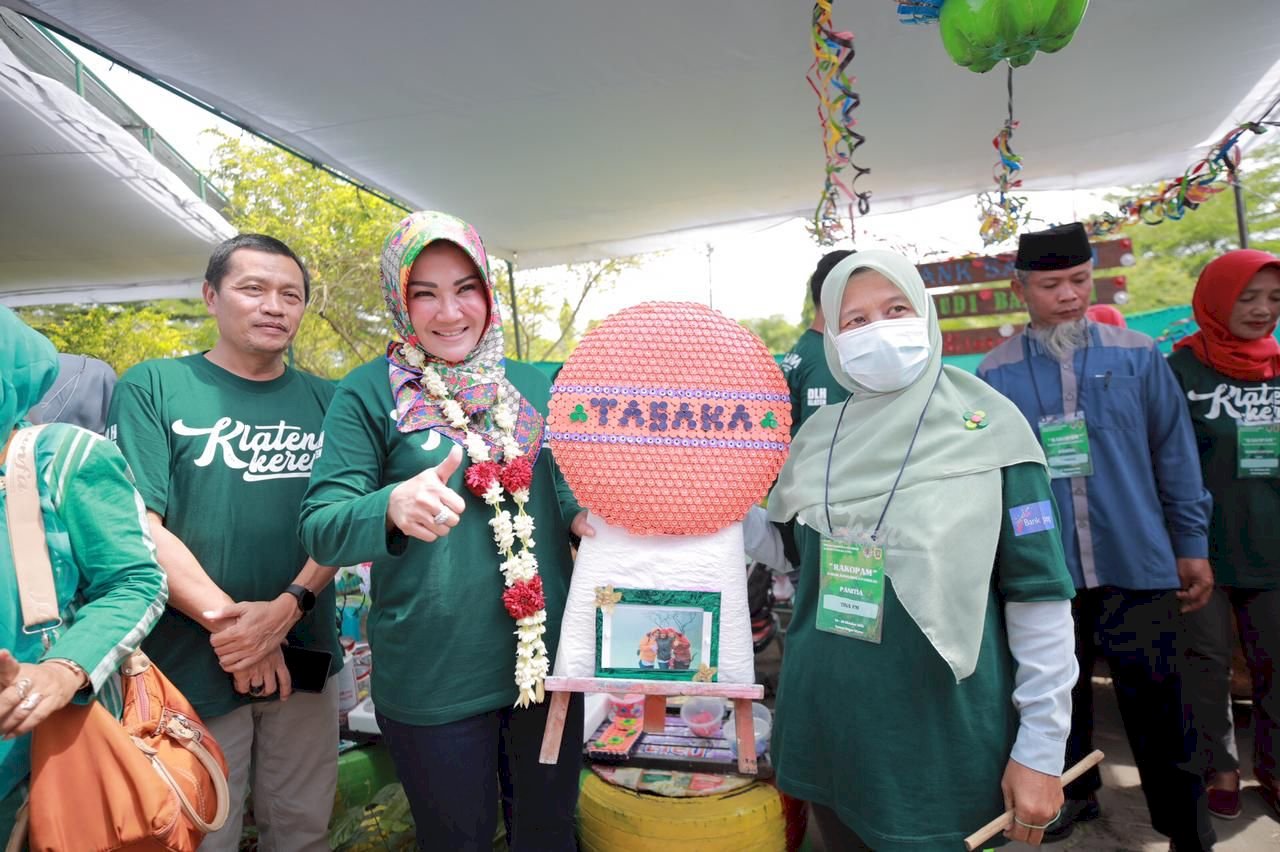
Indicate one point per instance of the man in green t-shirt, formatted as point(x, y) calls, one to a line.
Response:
point(222, 444)
point(805, 366)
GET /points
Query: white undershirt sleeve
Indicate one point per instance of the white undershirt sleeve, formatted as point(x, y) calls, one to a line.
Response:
point(763, 542)
point(1042, 641)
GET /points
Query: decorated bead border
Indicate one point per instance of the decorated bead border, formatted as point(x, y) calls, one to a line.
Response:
point(679, 393)
point(701, 443)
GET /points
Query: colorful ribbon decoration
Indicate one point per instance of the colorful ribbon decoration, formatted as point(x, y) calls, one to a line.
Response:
point(827, 76)
point(1175, 198)
point(1003, 213)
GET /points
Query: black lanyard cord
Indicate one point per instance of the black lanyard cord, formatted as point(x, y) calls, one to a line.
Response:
point(1084, 372)
point(826, 493)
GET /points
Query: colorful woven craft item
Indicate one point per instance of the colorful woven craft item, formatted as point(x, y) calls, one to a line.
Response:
point(670, 419)
point(828, 77)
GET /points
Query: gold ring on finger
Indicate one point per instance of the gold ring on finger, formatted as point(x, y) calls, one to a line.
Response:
point(23, 685)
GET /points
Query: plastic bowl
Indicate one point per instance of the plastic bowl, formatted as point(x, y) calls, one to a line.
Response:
point(763, 720)
point(704, 716)
point(630, 706)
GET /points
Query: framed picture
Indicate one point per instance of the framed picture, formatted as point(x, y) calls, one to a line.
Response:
point(657, 635)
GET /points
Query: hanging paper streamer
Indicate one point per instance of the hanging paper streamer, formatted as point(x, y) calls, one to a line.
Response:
point(1003, 213)
point(1175, 198)
point(919, 11)
point(828, 77)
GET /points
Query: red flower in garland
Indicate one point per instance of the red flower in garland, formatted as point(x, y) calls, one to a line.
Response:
point(517, 474)
point(480, 476)
point(525, 598)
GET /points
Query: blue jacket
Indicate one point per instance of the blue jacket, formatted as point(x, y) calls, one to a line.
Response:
point(1145, 503)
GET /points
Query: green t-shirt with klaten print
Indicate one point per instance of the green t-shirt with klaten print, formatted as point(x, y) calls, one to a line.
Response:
point(1244, 539)
point(225, 461)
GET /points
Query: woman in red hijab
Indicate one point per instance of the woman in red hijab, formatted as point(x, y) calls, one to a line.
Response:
point(1228, 370)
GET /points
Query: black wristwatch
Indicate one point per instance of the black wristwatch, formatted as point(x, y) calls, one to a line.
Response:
point(305, 597)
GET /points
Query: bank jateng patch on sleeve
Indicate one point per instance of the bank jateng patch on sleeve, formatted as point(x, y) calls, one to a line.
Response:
point(1032, 518)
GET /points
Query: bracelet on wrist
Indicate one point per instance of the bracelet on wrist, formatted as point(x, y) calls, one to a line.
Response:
point(81, 674)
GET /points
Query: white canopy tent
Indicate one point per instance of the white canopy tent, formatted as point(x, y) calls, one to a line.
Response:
point(88, 214)
point(568, 129)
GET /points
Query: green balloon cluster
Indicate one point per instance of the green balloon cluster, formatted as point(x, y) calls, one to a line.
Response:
point(980, 33)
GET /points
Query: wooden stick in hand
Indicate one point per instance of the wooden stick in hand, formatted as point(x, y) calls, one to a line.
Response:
point(1000, 823)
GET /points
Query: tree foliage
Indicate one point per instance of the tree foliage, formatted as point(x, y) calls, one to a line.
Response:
point(776, 331)
point(337, 230)
point(121, 336)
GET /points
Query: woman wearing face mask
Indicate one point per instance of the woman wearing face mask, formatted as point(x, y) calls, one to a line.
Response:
point(930, 659)
point(1228, 370)
point(470, 558)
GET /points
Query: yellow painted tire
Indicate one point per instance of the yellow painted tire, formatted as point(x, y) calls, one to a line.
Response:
point(612, 819)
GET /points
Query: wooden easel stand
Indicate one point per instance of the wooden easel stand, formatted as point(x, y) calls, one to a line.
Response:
point(655, 694)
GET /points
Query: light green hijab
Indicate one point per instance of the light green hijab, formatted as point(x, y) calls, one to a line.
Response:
point(941, 531)
point(28, 366)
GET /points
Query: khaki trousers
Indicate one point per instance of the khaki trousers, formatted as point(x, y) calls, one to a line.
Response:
point(287, 752)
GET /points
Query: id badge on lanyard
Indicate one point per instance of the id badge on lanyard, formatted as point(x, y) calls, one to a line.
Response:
point(851, 589)
point(1065, 439)
point(851, 573)
point(1257, 450)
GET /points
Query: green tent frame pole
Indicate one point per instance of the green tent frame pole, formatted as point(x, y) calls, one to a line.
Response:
point(515, 313)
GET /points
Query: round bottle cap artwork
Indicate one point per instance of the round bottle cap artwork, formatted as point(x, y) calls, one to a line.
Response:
point(670, 419)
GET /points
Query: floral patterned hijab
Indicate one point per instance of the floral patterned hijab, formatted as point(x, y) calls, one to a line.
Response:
point(477, 382)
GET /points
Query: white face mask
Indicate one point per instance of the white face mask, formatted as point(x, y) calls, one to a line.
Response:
point(887, 355)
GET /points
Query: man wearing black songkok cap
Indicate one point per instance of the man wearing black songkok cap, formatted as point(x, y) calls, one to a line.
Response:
point(1134, 518)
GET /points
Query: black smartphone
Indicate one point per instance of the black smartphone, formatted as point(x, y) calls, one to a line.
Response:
point(308, 668)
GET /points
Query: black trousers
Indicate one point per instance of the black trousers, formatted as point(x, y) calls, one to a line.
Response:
point(452, 774)
point(1136, 632)
point(836, 836)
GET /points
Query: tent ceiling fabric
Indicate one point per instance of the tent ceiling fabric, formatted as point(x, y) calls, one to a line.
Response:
point(89, 215)
point(568, 129)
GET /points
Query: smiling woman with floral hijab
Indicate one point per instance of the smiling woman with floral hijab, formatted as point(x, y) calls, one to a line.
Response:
point(458, 691)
